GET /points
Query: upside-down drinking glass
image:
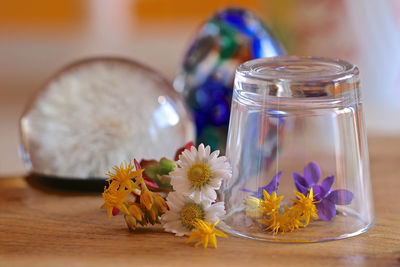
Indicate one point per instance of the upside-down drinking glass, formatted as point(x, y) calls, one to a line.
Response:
point(297, 130)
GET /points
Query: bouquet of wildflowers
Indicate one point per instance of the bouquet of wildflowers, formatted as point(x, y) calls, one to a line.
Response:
point(181, 195)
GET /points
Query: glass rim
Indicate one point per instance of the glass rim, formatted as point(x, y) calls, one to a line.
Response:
point(298, 76)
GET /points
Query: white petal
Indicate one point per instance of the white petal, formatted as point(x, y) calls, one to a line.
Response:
point(219, 160)
point(201, 155)
point(175, 227)
point(176, 180)
point(185, 164)
point(214, 155)
point(215, 211)
point(224, 174)
point(176, 199)
point(207, 150)
point(178, 173)
point(173, 206)
point(215, 183)
point(193, 150)
point(209, 193)
point(187, 156)
point(196, 195)
point(205, 203)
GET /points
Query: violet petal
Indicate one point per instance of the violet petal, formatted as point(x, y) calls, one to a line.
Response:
point(312, 173)
point(341, 197)
point(300, 183)
point(259, 193)
point(273, 185)
point(246, 190)
point(327, 183)
point(318, 192)
point(326, 210)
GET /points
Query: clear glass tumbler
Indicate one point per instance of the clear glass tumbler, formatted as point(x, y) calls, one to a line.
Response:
point(298, 149)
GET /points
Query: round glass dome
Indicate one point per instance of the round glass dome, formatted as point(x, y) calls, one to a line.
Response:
point(99, 112)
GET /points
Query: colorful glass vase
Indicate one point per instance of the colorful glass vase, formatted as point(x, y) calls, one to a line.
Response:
point(229, 38)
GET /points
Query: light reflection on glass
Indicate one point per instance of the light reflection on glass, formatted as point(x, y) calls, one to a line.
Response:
point(165, 115)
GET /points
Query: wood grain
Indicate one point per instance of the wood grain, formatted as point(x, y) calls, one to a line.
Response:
point(44, 227)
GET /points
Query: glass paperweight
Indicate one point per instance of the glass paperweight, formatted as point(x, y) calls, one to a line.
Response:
point(227, 39)
point(99, 112)
point(298, 150)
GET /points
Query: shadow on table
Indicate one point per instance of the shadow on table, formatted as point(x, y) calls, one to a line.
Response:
point(46, 183)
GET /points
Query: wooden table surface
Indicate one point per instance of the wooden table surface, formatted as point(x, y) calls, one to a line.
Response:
point(43, 227)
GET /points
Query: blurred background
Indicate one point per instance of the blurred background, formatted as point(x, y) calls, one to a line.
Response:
point(39, 37)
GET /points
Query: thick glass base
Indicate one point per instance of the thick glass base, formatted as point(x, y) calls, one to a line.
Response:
point(346, 224)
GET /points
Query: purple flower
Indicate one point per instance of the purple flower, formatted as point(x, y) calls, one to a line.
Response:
point(271, 187)
point(328, 198)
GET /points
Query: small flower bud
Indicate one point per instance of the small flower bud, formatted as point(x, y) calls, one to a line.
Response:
point(146, 199)
point(131, 222)
point(153, 214)
point(160, 202)
point(135, 210)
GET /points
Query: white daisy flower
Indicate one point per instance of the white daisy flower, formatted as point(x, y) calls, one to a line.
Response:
point(183, 211)
point(198, 173)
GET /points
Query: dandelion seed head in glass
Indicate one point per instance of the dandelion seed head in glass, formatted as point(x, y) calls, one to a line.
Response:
point(228, 38)
point(99, 112)
point(297, 125)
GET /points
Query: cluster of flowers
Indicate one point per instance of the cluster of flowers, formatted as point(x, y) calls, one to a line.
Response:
point(268, 212)
point(143, 206)
point(190, 206)
point(195, 179)
point(313, 201)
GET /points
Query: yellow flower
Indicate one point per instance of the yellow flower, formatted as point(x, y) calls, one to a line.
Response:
point(199, 174)
point(293, 220)
point(276, 223)
point(257, 208)
point(190, 213)
point(114, 197)
point(305, 206)
point(206, 232)
point(124, 175)
point(287, 221)
point(270, 204)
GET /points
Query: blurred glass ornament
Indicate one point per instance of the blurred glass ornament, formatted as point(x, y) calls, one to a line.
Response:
point(98, 112)
point(230, 37)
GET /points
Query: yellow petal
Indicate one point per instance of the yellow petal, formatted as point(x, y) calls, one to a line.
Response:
point(220, 233)
point(191, 238)
point(215, 223)
point(213, 240)
point(123, 208)
point(109, 212)
point(205, 241)
point(266, 195)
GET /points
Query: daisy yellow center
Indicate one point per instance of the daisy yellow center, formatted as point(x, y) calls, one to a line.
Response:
point(190, 213)
point(199, 174)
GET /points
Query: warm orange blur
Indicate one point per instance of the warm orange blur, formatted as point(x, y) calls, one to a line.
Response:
point(42, 13)
point(160, 10)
